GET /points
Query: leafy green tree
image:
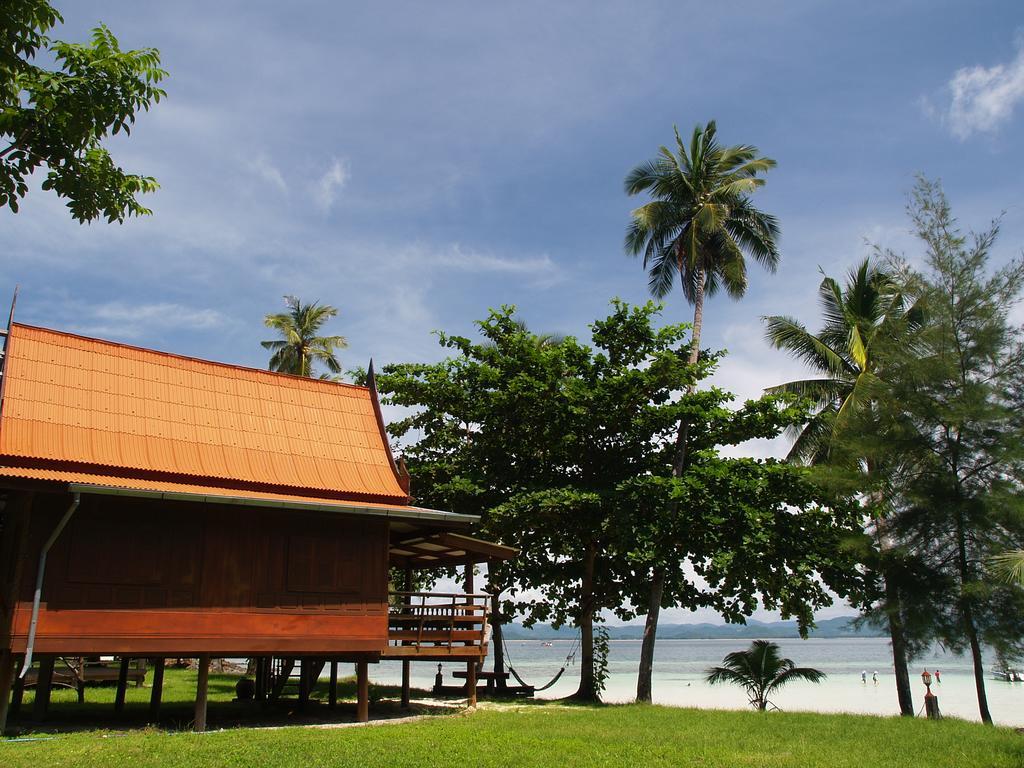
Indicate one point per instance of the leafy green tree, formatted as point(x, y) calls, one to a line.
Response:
point(699, 226)
point(868, 324)
point(746, 534)
point(59, 118)
point(964, 396)
point(761, 671)
point(566, 451)
point(535, 436)
point(300, 346)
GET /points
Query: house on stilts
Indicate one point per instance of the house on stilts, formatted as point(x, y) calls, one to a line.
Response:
point(156, 506)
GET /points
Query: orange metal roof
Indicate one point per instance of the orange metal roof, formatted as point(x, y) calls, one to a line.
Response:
point(92, 408)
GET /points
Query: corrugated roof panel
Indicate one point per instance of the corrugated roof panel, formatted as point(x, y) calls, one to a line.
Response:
point(84, 401)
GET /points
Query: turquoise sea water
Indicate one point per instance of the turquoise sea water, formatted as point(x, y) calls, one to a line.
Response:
point(680, 666)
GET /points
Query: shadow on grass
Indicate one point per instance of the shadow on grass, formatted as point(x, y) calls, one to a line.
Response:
point(65, 714)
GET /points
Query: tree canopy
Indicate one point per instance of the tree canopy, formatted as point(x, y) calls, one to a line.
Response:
point(701, 224)
point(57, 119)
point(963, 399)
point(567, 450)
point(301, 346)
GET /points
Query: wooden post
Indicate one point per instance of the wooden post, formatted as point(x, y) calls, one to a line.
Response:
point(471, 683)
point(122, 684)
point(268, 671)
point(284, 673)
point(17, 696)
point(470, 665)
point(158, 690)
point(332, 696)
point(258, 679)
point(406, 664)
point(7, 667)
point(496, 639)
point(201, 686)
point(304, 666)
point(43, 683)
point(363, 692)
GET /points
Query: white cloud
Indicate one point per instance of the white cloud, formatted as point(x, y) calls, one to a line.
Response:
point(130, 321)
point(539, 267)
point(983, 98)
point(262, 167)
point(326, 190)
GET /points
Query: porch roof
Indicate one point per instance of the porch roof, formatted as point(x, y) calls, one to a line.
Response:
point(443, 550)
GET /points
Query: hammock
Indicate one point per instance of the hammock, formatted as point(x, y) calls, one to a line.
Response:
point(569, 659)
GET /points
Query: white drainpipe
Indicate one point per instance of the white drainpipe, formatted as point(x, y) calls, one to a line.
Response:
point(39, 583)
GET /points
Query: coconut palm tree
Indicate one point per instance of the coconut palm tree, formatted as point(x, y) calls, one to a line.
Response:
point(1010, 565)
point(699, 226)
point(863, 320)
point(300, 346)
point(761, 671)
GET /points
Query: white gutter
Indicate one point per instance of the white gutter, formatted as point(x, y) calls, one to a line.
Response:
point(37, 597)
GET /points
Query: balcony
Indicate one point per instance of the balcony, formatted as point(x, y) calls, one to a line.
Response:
point(437, 626)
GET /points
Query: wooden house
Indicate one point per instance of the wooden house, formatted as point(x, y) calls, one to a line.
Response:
point(158, 506)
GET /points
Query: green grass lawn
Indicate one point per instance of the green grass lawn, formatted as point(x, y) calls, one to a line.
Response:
point(535, 735)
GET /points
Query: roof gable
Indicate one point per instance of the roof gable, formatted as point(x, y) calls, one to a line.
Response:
point(70, 400)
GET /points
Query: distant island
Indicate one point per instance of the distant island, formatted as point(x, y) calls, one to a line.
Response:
point(840, 626)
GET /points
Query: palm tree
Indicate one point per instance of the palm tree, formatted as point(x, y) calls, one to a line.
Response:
point(863, 319)
point(299, 346)
point(699, 226)
point(761, 671)
point(1010, 565)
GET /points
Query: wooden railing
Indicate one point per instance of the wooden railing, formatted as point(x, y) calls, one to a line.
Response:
point(432, 624)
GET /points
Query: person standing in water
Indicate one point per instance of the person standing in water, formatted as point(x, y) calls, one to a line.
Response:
point(938, 677)
point(864, 677)
point(874, 677)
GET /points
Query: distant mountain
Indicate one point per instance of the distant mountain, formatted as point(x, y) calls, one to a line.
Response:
point(840, 626)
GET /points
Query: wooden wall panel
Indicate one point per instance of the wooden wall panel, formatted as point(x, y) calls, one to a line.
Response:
point(174, 576)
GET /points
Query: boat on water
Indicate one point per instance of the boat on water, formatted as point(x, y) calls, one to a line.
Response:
point(1009, 675)
point(545, 644)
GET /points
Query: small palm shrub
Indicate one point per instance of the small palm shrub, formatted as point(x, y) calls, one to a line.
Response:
point(761, 671)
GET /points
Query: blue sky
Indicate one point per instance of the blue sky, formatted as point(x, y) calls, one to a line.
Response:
point(417, 163)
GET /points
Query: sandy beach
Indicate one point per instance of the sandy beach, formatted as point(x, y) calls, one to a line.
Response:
point(680, 664)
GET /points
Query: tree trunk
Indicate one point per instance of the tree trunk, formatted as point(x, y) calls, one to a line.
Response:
point(979, 669)
point(899, 648)
point(644, 684)
point(893, 601)
point(967, 614)
point(698, 316)
point(496, 640)
point(588, 688)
